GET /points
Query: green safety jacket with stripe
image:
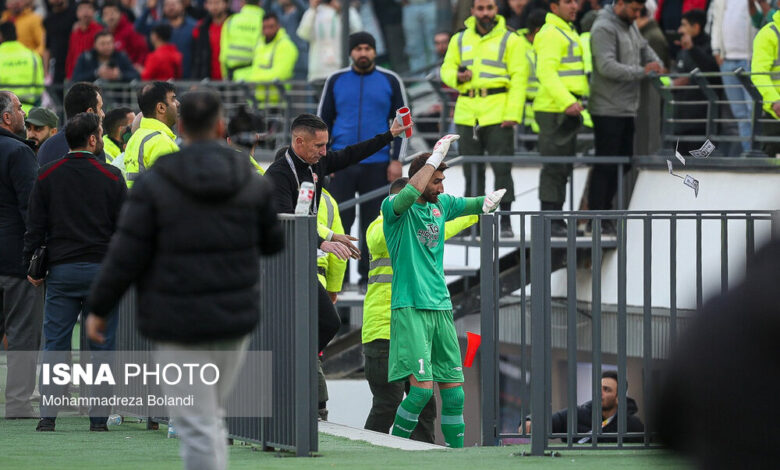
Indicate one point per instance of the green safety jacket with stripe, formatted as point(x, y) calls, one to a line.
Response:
point(559, 66)
point(496, 90)
point(766, 63)
point(21, 72)
point(273, 61)
point(240, 35)
point(152, 140)
point(376, 305)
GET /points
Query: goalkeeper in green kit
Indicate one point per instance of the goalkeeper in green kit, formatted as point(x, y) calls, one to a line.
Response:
point(423, 343)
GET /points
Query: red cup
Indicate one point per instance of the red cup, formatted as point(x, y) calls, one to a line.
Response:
point(404, 116)
point(473, 342)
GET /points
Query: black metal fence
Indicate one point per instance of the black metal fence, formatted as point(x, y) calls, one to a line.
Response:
point(288, 315)
point(561, 329)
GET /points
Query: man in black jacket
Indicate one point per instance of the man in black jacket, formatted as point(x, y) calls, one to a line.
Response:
point(308, 160)
point(74, 207)
point(609, 416)
point(21, 312)
point(104, 62)
point(189, 238)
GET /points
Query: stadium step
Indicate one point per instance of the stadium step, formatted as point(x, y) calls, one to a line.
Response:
point(373, 437)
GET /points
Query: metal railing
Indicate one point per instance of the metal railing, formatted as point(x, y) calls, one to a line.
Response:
point(288, 309)
point(560, 327)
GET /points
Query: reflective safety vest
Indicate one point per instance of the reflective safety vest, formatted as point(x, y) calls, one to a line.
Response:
point(766, 59)
point(273, 61)
point(376, 305)
point(330, 269)
point(498, 77)
point(532, 87)
point(559, 66)
point(21, 72)
point(587, 57)
point(110, 149)
point(240, 36)
point(152, 140)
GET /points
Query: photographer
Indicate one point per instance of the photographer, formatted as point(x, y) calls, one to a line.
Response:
point(104, 62)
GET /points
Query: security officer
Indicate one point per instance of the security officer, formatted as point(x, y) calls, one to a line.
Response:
point(274, 60)
point(558, 106)
point(376, 329)
point(535, 22)
point(21, 69)
point(240, 35)
point(766, 77)
point(330, 269)
point(485, 64)
point(154, 138)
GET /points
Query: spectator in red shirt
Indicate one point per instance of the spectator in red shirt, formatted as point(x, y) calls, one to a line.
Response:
point(126, 39)
point(83, 35)
point(205, 41)
point(165, 62)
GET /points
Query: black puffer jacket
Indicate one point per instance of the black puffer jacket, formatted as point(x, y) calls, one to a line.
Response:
point(190, 237)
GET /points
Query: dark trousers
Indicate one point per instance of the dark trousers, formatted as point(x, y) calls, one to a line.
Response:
point(359, 179)
point(21, 315)
point(557, 138)
point(328, 319)
point(388, 395)
point(67, 288)
point(613, 137)
point(493, 140)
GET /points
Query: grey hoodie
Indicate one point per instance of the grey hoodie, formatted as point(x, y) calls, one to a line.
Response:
point(620, 54)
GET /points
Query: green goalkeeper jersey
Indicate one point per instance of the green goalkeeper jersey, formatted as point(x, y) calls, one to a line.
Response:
point(415, 240)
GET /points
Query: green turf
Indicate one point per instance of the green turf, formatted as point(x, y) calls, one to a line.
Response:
point(130, 446)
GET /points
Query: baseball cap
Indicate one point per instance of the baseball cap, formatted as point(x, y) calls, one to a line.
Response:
point(42, 117)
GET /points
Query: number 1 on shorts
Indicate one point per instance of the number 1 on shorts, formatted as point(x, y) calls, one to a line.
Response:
point(422, 367)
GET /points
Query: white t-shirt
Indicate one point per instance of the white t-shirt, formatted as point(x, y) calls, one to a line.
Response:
point(736, 20)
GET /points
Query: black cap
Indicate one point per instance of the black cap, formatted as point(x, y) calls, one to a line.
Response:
point(361, 37)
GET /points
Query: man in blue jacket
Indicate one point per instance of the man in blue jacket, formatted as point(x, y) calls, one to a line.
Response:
point(104, 62)
point(359, 102)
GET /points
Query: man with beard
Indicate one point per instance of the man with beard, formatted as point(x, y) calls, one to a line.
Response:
point(622, 58)
point(358, 102)
point(485, 63)
point(74, 207)
point(609, 417)
point(41, 123)
point(423, 342)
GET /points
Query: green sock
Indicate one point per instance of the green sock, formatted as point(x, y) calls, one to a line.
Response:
point(409, 411)
point(452, 424)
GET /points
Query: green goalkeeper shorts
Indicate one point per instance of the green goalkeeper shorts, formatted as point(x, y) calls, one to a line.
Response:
point(424, 343)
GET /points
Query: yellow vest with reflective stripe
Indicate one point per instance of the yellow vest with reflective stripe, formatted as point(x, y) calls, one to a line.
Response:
point(21, 66)
point(766, 58)
point(532, 86)
point(587, 58)
point(110, 149)
point(376, 305)
point(495, 62)
point(330, 269)
point(152, 140)
point(240, 36)
point(273, 61)
point(559, 66)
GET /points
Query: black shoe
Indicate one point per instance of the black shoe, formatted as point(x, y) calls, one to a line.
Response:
point(558, 229)
point(506, 228)
point(363, 287)
point(45, 425)
point(98, 427)
point(608, 228)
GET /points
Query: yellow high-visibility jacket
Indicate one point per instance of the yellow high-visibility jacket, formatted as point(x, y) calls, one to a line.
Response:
point(376, 305)
point(152, 140)
point(766, 58)
point(559, 66)
point(273, 61)
point(532, 83)
point(330, 269)
point(21, 66)
point(110, 149)
point(496, 61)
point(587, 57)
point(240, 35)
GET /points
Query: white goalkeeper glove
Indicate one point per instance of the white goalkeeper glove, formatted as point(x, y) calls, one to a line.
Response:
point(440, 150)
point(492, 200)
